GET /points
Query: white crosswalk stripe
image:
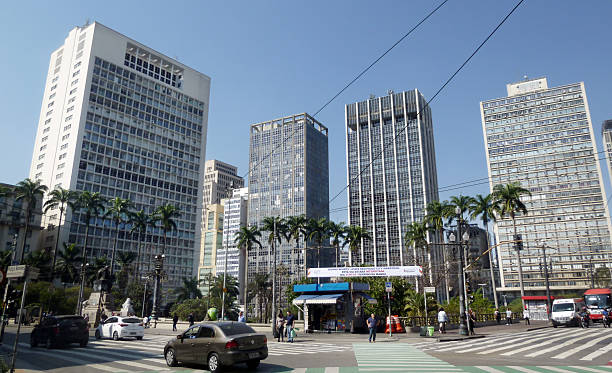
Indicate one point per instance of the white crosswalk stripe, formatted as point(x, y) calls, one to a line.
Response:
point(399, 357)
point(284, 348)
point(563, 343)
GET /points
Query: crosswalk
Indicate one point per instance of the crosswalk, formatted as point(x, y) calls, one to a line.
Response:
point(558, 344)
point(397, 357)
point(299, 348)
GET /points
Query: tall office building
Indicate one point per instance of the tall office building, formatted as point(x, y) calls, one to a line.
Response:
point(391, 173)
point(12, 222)
point(543, 139)
point(235, 217)
point(124, 120)
point(288, 176)
point(606, 135)
point(219, 180)
point(212, 241)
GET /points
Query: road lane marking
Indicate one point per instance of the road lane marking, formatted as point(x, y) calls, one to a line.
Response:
point(556, 347)
point(489, 369)
point(598, 352)
point(580, 348)
point(556, 369)
point(512, 344)
point(545, 343)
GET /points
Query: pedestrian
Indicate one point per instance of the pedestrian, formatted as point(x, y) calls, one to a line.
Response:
point(289, 325)
point(526, 316)
point(442, 320)
point(241, 317)
point(86, 317)
point(372, 323)
point(497, 316)
point(190, 319)
point(472, 316)
point(508, 316)
point(145, 321)
point(280, 326)
point(103, 317)
point(174, 321)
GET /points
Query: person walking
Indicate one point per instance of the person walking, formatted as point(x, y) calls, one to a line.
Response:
point(289, 325)
point(190, 319)
point(442, 320)
point(508, 316)
point(174, 321)
point(526, 316)
point(241, 317)
point(497, 316)
point(280, 326)
point(372, 323)
point(472, 316)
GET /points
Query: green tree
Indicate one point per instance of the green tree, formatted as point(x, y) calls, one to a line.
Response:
point(140, 222)
point(355, 236)
point(166, 216)
point(196, 306)
point(69, 260)
point(436, 212)
point(260, 288)
point(39, 259)
point(508, 199)
point(29, 192)
point(216, 293)
point(416, 236)
point(188, 290)
point(486, 208)
point(296, 229)
point(337, 233)
point(461, 202)
point(118, 211)
point(125, 259)
point(246, 238)
point(318, 230)
point(62, 199)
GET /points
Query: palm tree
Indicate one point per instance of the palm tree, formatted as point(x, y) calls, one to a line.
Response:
point(246, 238)
point(189, 290)
point(337, 232)
point(28, 191)
point(165, 215)
point(436, 212)
point(317, 230)
point(39, 259)
point(508, 199)
point(416, 236)
point(68, 261)
point(5, 191)
point(140, 221)
point(125, 260)
point(296, 229)
point(261, 288)
point(118, 210)
point(354, 236)
point(485, 208)
point(91, 206)
point(59, 198)
point(462, 202)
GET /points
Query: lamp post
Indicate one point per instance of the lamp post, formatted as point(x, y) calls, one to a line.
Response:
point(158, 267)
point(463, 329)
point(548, 310)
point(79, 305)
point(144, 295)
point(274, 279)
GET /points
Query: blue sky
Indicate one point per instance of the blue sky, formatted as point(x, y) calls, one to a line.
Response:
point(268, 59)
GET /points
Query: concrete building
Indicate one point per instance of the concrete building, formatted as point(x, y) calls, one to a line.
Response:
point(12, 224)
point(543, 138)
point(606, 135)
point(235, 216)
point(219, 180)
point(391, 172)
point(212, 241)
point(288, 176)
point(124, 120)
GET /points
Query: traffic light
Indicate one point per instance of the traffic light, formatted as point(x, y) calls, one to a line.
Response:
point(518, 242)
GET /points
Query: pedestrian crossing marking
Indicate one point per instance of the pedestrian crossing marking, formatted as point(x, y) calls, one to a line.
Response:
point(580, 348)
point(401, 357)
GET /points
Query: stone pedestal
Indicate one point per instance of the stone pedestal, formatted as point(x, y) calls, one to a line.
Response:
point(97, 304)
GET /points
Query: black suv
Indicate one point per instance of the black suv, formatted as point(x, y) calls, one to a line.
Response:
point(54, 331)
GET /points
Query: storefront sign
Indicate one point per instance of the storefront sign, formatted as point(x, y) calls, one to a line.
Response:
point(397, 271)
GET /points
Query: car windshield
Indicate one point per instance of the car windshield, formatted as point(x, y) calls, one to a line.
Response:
point(131, 320)
point(597, 300)
point(236, 328)
point(561, 307)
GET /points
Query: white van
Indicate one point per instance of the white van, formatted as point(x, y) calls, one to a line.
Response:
point(565, 311)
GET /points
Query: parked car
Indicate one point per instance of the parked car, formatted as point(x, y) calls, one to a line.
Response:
point(55, 331)
point(217, 345)
point(117, 327)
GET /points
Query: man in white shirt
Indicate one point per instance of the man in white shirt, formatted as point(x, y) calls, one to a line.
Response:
point(442, 320)
point(508, 316)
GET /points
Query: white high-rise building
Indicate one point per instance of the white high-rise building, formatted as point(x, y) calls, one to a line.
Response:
point(235, 217)
point(124, 120)
point(220, 179)
point(606, 135)
point(543, 138)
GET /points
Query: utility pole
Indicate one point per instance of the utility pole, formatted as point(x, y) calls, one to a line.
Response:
point(274, 278)
point(463, 330)
point(548, 309)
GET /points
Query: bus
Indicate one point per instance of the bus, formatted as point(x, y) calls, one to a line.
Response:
point(596, 300)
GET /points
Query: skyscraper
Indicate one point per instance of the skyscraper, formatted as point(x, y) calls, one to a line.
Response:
point(606, 134)
point(124, 120)
point(391, 173)
point(543, 139)
point(212, 241)
point(219, 180)
point(288, 176)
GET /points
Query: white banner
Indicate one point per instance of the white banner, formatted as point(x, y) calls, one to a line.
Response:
point(397, 271)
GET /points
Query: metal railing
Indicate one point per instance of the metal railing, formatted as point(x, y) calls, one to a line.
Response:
point(417, 321)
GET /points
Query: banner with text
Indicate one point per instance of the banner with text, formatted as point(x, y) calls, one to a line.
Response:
point(397, 271)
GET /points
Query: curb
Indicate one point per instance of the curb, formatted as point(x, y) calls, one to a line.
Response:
point(451, 339)
point(539, 328)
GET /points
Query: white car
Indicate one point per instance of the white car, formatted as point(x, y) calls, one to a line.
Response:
point(117, 327)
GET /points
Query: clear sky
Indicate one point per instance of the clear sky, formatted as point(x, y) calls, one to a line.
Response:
point(268, 59)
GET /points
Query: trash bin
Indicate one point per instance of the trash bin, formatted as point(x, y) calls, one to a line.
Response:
point(430, 331)
point(423, 332)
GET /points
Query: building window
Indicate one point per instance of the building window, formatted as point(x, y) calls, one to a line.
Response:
point(74, 82)
point(66, 128)
point(38, 175)
point(62, 156)
point(48, 121)
point(70, 109)
point(68, 118)
point(53, 95)
point(64, 146)
point(60, 166)
point(59, 175)
point(39, 166)
point(50, 104)
point(47, 130)
point(49, 112)
point(41, 157)
point(54, 86)
point(65, 137)
point(45, 138)
point(55, 79)
point(72, 91)
point(76, 73)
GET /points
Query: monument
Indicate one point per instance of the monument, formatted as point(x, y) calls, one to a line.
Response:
point(100, 300)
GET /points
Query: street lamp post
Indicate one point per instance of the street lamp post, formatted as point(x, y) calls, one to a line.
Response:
point(463, 329)
point(144, 295)
point(274, 279)
point(158, 266)
point(79, 305)
point(546, 279)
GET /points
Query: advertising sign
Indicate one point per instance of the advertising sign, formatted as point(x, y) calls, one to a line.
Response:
point(396, 271)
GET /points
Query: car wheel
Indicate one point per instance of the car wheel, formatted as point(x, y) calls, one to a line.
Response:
point(171, 357)
point(49, 343)
point(98, 336)
point(214, 365)
point(252, 364)
point(139, 338)
point(115, 336)
point(33, 342)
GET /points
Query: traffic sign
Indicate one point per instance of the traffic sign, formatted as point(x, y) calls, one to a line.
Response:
point(430, 289)
point(388, 287)
point(16, 271)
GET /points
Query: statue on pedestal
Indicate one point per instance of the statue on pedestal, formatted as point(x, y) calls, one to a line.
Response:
point(127, 309)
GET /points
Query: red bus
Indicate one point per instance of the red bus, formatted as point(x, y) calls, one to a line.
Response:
point(596, 300)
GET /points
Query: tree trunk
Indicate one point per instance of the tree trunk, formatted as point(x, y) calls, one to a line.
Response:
point(520, 266)
point(80, 300)
point(138, 274)
point(112, 268)
point(244, 288)
point(25, 234)
point(491, 267)
point(59, 231)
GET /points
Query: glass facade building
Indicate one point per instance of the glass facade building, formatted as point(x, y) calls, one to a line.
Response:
point(391, 173)
point(123, 120)
point(543, 139)
point(288, 176)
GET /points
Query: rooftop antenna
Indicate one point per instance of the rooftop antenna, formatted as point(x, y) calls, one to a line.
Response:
point(390, 92)
point(87, 22)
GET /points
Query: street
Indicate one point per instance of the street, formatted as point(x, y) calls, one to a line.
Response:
point(516, 349)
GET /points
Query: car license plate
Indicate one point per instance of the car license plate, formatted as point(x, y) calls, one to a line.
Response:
point(132, 333)
point(253, 355)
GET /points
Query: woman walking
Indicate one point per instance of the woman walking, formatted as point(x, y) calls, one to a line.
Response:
point(280, 326)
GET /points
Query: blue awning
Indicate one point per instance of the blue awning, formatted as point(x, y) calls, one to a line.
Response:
point(367, 297)
point(324, 299)
point(301, 300)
